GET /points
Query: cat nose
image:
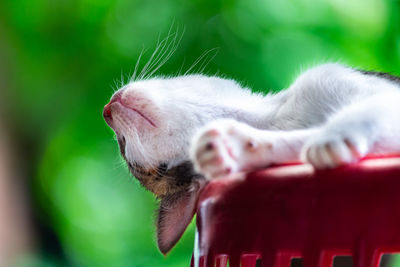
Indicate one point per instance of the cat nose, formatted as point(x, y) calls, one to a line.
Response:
point(107, 112)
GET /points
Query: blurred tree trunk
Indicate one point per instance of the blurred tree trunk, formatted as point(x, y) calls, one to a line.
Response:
point(15, 232)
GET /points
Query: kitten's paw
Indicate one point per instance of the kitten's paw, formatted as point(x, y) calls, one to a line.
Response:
point(331, 150)
point(220, 148)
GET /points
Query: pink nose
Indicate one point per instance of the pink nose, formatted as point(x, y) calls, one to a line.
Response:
point(107, 112)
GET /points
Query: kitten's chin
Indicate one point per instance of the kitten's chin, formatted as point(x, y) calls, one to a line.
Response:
point(122, 144)
point(163, 181)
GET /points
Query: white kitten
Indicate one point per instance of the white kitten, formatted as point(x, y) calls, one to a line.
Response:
point(331, 115)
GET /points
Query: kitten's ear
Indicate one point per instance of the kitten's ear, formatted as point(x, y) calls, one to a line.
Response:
point(175, 213)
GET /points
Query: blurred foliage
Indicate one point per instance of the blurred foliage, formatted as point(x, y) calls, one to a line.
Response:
point(60, 61)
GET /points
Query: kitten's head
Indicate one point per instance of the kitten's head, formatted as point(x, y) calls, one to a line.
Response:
point(154, 121)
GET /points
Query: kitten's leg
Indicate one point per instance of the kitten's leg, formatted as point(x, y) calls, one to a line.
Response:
point(228, 146)
point(368, 126)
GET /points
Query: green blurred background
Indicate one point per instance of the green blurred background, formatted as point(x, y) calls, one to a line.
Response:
point(60, 61)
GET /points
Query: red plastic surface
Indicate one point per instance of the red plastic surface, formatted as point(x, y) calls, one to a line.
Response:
point(292, 211)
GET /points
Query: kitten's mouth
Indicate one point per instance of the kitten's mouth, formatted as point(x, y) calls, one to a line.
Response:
point(117, 103)
point(138, 112)
point(128, 111)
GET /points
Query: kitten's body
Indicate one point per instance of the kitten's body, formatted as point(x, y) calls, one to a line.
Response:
point(331, 115)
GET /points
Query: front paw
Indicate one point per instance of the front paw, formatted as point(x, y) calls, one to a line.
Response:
point(220, 148)
point(331, 150)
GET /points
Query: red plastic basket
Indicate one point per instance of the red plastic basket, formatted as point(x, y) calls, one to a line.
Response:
point(293, 211)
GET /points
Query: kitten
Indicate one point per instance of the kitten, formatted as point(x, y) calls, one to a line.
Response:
point(330, 116)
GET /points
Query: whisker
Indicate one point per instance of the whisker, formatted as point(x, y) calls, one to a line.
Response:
point(180, 69)
point(160, 45)
point(121, 83)
point(174, 46)
point(199, 60)
point(133, 77)
point(114, 86)
point(144, 69)
point(206, 62)
point(169, 47)
point(119, 164)
point(165, 46)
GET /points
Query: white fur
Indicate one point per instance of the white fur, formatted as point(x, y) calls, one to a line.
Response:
point(331, 115)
